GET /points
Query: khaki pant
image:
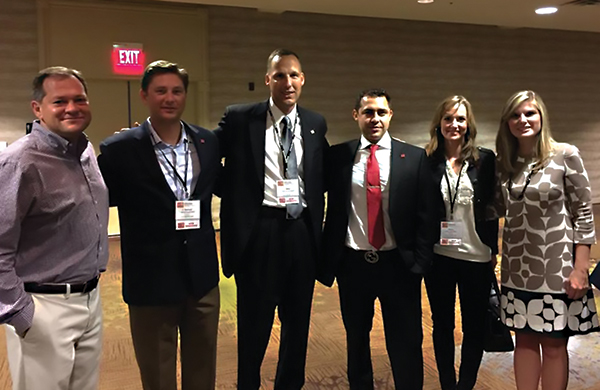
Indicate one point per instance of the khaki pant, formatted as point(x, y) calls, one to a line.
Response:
point(61, 350)
point(155, 331)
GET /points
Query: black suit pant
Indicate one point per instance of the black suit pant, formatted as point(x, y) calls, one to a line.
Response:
point(399, 293)
point(279, 272)
point(474, 282)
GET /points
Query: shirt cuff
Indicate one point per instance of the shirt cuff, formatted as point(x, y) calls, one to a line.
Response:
point(23, 319)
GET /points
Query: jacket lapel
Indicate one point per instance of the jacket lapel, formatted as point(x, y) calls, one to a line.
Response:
point(309, 144)
point(257, 130)
point(201, 151)
point(396, 167)
point(148, 157)
point(472, 173)
point(346, 173)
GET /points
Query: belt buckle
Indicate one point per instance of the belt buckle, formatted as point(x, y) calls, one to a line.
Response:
point(371, 257)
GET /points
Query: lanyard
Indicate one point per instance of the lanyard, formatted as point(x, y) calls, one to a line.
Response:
point(177, 175)
point(527, 180)
point(285, 155)
point(453, 199)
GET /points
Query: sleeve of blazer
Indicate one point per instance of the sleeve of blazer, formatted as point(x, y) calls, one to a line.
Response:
point(223, 132)
point(108, 168)
point(427, 222)
point(487, 173)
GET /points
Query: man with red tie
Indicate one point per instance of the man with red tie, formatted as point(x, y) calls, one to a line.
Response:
point(378, 241)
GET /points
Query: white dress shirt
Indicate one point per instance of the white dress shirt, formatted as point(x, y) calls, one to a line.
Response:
point(274, 156)
point(358, 221)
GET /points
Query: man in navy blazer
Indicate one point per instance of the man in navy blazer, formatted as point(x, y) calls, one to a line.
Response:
point(378, 241)
point(160, 175)
point(270, 248)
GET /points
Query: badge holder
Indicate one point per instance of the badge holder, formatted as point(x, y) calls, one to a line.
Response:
point(451, 233)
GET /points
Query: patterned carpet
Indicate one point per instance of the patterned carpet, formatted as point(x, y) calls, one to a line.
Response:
point(327, 347)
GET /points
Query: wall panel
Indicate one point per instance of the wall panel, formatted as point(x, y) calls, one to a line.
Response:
point(419, 63)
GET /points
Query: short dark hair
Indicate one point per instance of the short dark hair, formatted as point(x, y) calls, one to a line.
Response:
point(163, 67)
point(38, 91)
point(280, 52)
point(373, 92)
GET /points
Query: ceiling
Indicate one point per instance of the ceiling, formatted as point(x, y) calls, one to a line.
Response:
point(503, 13)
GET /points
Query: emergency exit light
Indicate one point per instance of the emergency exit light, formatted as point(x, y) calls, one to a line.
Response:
point(128, 59)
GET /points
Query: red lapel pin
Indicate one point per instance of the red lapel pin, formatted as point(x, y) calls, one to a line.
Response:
point(402, 155)
point(201, 140)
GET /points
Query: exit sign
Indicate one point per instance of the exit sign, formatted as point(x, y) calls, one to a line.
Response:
point(128, 59)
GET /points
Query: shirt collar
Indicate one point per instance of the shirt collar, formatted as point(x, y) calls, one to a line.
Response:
point(384, 143)
point(278, 115)
point(59, 143)
point(156, 140)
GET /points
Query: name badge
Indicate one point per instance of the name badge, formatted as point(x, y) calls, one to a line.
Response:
point(288, 191)
point(451, 232)
point(187, 214)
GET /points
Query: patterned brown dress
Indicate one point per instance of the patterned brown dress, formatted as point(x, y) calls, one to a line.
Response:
point(544, 220)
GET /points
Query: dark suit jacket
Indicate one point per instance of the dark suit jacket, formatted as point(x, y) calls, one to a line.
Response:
point(413, 218)
point(154, 272)
point(241, 135)
point(482, 176)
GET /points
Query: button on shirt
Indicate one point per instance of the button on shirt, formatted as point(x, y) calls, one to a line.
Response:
point(53, 218)
point(358, 221)
point(274, 157)
point(177, 158)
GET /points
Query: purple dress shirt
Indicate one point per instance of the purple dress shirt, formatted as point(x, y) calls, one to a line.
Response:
point(53, 218)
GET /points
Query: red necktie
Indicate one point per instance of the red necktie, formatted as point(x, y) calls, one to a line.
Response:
point(375, 212)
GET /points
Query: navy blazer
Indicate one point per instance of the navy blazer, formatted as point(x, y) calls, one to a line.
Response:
point(152, 250)
point(241, 134)
point(413, 220)
point(482, 174)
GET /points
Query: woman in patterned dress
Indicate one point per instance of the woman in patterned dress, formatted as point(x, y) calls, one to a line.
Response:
point(464, 176)
point(548, 231)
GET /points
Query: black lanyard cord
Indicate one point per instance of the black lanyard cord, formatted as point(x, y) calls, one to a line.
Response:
point(527, 181)
point(285, 155)
point(453, 199)
point(183, 180)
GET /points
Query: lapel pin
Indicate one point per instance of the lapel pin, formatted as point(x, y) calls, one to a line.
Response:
point(402, 155)
point(312, 131)
point(201, 140)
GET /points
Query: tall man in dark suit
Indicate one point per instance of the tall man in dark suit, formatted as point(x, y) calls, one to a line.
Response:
point(160, 175)
point(378, 241)
point(271, 215)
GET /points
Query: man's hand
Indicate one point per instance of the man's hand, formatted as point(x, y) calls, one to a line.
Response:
point(135, 124)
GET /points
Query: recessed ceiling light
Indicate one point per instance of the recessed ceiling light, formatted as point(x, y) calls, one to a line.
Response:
point(425, 1)
point(546, 10)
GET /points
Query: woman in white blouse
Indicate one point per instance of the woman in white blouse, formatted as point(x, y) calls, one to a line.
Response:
point(466, 252)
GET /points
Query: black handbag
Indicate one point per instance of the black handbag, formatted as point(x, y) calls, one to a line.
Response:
point(497, 335)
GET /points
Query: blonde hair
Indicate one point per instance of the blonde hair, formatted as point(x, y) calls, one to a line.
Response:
point(436, 141)
point(507, 144)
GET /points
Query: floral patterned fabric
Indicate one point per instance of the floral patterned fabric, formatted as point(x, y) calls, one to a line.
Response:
point(540, 230)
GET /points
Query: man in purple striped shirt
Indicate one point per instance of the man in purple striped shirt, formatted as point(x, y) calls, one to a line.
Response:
point(53, 241)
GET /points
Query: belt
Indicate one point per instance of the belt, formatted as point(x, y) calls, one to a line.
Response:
point(371, 256)
point(62, 288)
point(277, 212)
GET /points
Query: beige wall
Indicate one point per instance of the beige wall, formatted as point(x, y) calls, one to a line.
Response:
point(18, 65)
point(420, 63)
